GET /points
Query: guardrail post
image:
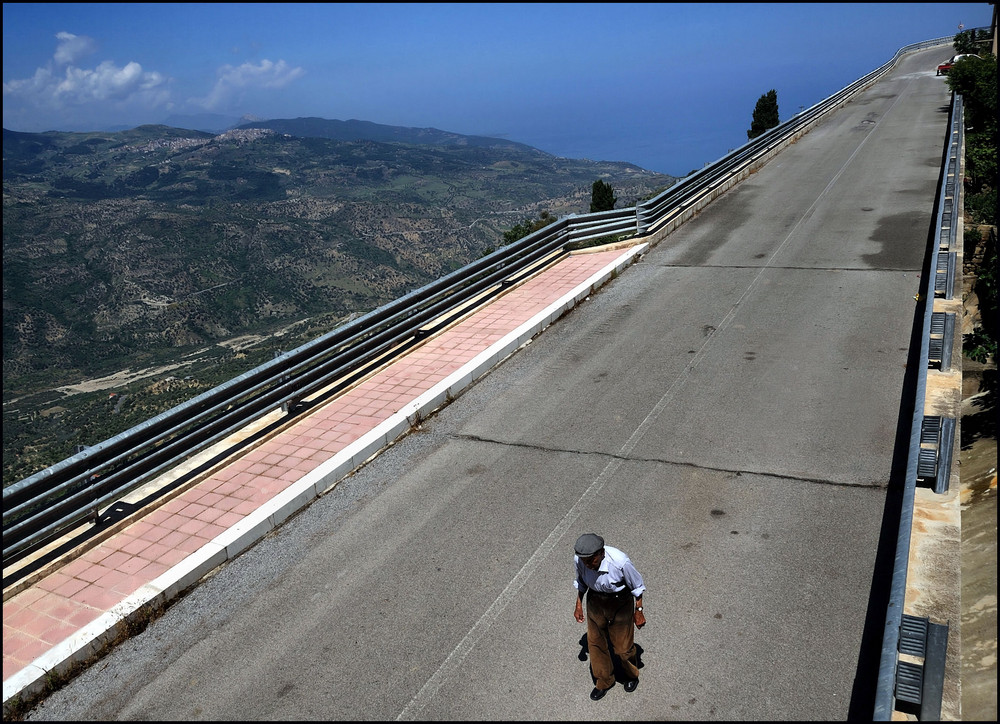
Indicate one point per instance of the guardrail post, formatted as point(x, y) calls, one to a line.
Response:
point(641, 220)
point(95, 512)
point(287, 404)
point(922, 683)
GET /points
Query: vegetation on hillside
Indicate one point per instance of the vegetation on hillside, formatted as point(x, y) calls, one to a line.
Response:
point(974, 40)
point(191, 258)
point(975, 79)
point(528, 226)
point(521, 229)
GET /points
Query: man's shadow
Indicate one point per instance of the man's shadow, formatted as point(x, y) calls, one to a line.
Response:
point(615, 661)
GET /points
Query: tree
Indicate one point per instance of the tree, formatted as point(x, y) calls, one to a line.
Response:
point(967, 42)
point(602, 197)
point(765, 114)
point(528, 226)
point(975, 79)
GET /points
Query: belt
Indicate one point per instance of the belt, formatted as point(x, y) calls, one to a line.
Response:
point(616, 594)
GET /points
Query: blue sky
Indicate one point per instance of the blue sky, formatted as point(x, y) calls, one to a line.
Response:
point(667, 86)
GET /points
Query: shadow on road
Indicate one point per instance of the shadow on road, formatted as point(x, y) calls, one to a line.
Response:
point(866, 675)
point(616, 662)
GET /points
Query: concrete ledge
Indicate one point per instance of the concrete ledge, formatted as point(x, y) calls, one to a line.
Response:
point(189, 571)
point(292, 499)
point(244, 534)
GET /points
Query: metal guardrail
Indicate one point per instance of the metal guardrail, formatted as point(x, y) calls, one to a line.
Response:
point(45, 505)
point(904, 680)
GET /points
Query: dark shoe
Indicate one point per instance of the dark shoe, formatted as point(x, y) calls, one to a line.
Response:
point(630, 685)
point(597, 694)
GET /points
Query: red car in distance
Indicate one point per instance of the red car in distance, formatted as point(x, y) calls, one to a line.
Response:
point(945, 67)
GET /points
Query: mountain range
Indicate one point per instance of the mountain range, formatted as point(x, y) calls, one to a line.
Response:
point(161, 247)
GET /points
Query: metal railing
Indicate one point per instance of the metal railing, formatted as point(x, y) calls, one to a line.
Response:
point(46, 504)
point(947, 217)
point(42, 507)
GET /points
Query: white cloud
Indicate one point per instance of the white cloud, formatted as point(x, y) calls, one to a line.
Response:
point(62, 93)
point(72, 47)
point(234, 81)
point(81, 86)
point(108, 82)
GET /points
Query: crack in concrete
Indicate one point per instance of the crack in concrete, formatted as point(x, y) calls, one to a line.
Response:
point(662, 461)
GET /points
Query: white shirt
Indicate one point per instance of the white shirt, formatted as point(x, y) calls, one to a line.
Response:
point(615, 574)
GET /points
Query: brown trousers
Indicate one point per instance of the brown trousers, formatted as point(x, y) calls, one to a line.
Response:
point(611, 617)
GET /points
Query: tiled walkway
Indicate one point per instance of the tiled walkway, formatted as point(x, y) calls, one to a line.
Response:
point(73, 610)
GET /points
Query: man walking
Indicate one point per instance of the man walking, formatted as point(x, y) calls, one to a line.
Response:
point(614, 591)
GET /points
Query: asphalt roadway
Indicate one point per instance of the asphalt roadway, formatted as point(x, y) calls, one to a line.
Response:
point(731, 411)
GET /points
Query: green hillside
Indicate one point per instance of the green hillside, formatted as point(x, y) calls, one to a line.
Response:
point(158, 247)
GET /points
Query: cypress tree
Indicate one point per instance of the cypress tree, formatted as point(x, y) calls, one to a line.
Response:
point(602, 197)
point(765, 114)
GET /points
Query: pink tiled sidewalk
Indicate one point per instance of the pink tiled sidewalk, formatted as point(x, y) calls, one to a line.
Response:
point(61, 618)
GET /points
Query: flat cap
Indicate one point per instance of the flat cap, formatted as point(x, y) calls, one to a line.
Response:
point(588, 544)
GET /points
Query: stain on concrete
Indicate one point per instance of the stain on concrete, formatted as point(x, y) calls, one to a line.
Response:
point(895, 235)
point(736, 205)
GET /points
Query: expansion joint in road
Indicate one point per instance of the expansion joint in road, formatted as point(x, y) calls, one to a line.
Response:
point(877, 485)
